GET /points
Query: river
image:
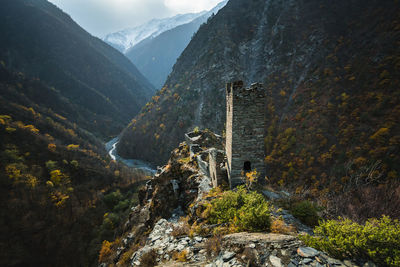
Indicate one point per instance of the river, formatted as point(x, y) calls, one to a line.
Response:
point(111, 147)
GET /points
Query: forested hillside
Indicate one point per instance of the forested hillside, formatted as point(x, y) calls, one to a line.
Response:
point(56, 182)
point(42, 42)
point(62, 94)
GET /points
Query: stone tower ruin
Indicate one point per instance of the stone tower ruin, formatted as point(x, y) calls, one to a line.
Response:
point(245, 127)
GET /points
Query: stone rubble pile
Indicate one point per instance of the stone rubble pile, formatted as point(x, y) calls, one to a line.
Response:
point(239, 249)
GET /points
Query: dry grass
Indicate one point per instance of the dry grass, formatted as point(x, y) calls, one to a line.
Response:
point(251, 257)
point(279, 226)
point(213, 246)
point(180, 256)
point(183, 229)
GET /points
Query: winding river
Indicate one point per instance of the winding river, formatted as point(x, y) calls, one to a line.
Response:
point(111, 147)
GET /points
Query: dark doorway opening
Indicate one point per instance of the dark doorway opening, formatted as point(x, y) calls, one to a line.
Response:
point(247, 166)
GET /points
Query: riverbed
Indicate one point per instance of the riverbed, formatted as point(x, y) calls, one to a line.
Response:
point(111, 148)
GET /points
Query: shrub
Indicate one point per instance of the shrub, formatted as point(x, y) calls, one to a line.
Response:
point(241, 208)
point(180, 256)
point(279, 226)
point(306, 212)
point(124, 259)
point(112, 199)
point(182, 229)
point(105, 251)
point(377, 240)
point(213, 245)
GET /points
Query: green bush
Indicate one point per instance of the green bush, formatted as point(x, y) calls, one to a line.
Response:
point(306, 212)
point(248, 211)
point(377, 240)
point(113, 198)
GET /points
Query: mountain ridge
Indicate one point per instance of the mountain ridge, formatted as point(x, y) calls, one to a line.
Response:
point(155, 56)
point(125, 39)
point(50, 46)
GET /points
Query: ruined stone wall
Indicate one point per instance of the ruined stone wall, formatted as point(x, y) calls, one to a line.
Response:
point(217, 174)
point(245, 127)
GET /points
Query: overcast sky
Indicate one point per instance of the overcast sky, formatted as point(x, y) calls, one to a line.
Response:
point(100, 17)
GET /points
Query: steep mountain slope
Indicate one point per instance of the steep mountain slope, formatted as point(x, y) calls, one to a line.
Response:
point(155, 56)
point(331, 70)
point(126, 39)
point(55, 178)
point(41, 41)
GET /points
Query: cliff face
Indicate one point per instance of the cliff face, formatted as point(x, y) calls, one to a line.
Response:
point(331, 70)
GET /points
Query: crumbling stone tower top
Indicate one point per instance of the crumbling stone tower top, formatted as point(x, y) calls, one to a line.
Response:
point(245, 127)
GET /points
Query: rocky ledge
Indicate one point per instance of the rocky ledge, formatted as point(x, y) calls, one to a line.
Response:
point(238, 249)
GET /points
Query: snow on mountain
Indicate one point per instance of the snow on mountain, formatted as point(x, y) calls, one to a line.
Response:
point(125, 39)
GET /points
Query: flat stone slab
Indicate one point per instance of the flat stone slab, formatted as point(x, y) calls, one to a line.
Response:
point(227, 256)
point(245, 238)
point(307, 252)
point(275, 261)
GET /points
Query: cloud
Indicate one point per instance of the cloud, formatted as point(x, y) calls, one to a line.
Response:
point(100, 17)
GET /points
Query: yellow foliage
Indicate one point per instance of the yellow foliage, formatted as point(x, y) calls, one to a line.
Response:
point(251, 178)
point(57, 177)
point(61, 201)
point(60, 117)
point(71, 132)
point(13, 172)
point(181, 256)
point(72, 147)
point(31, 181)
point(105, 251)
point(360, 161)
point(379, 133)
point(269, 159)
point(279, 226)
point(52, 147)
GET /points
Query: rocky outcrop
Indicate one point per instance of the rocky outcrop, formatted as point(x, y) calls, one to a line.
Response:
point(159, 227)
point(239, 249)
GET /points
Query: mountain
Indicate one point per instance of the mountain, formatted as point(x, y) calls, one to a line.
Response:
point(56, 180)
point(331, 73)
point(126, 39)
point(155, 56)
point(44, 43)
point(62, 92)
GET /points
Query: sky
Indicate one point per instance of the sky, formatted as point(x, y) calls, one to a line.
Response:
point(100, 17)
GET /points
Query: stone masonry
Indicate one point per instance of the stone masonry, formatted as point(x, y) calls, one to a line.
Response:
point(217, 166)
point(245, 125)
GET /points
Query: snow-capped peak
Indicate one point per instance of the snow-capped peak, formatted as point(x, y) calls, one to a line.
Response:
point(127, 38)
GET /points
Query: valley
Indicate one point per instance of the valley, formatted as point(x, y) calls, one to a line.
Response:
point(131, 163)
